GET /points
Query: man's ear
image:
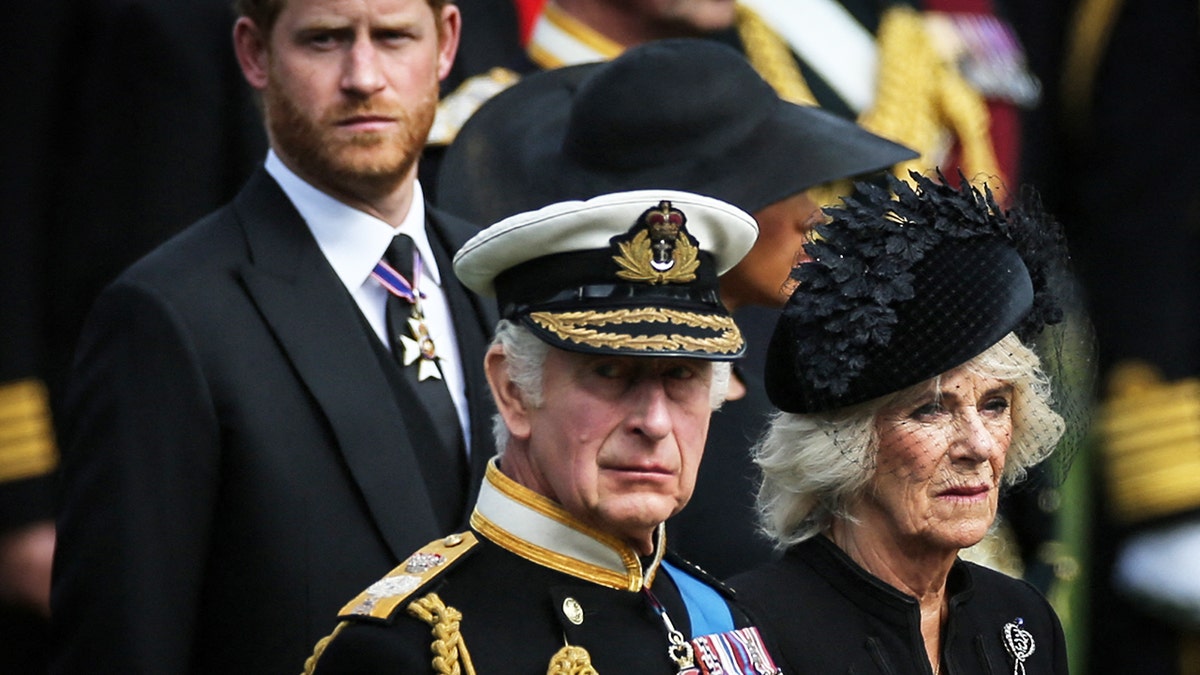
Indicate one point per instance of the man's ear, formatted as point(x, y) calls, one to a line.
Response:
point(250, 45)
point(510, 402)
point(448, 39)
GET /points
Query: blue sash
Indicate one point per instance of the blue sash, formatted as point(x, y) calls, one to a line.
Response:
point(706, 608)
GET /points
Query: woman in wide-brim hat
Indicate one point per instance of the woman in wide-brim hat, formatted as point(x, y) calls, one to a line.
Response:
point(906, 368)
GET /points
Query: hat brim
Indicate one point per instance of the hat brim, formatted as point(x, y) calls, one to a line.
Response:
point(508, 157)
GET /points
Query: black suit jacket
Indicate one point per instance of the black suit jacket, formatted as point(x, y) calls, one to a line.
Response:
point(236, 463)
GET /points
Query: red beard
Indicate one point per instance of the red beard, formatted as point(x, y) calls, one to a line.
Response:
point(364, 165)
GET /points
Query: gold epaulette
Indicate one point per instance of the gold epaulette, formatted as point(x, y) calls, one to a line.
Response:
point(456, 108)
point(1150, 436)
point(27, 447)
point(381, 599)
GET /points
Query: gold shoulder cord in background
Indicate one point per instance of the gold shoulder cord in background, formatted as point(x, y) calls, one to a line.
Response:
point(918, 95)
point(772, 58)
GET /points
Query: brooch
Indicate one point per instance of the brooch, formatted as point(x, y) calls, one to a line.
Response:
point(1019, 644)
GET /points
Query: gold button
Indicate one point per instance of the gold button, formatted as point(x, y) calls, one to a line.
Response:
point(573, 611)
point(453, 540)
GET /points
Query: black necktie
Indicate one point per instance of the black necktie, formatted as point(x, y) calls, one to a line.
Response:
point(405, 328)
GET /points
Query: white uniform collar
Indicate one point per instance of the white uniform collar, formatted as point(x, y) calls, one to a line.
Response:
point(352, 240)
point(537, 529)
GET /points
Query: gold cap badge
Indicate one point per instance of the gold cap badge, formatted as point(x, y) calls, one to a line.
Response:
point(658, 248)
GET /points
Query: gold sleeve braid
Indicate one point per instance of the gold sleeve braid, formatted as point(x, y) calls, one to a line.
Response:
point(1150, 435)
point(27, 447)
point(450, 656)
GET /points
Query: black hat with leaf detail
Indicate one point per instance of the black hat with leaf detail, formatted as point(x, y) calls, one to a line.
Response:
point(908, 282)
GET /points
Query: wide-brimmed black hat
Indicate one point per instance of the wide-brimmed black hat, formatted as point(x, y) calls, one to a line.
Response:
point(630, 273)
point(685, 114)
point(899, 290)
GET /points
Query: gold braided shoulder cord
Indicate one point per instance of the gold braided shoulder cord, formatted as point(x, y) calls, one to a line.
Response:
point(918, 95)
point(771, 57)
point(906, 88)
point(450, 656)
point(310, 664)
point(909, 60)
point(968, 115)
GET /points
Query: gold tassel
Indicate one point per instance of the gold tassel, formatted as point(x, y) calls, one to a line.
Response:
point(571, 661)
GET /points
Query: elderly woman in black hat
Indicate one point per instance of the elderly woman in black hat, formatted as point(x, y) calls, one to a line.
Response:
point(911, 393)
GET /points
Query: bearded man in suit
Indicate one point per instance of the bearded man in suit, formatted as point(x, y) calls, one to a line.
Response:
point(253, 424)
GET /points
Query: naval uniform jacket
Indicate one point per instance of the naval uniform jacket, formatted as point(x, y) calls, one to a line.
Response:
point(236, 463)
point(526, 580)
point(831, 616)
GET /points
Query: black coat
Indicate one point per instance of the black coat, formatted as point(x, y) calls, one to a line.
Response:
point(236, 462)
point(831, 616)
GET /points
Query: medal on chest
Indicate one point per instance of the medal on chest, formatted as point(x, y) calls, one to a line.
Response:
point(735, 652)
point(417, 346)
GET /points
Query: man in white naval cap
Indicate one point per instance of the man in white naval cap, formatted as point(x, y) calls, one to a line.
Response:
point(612, 351)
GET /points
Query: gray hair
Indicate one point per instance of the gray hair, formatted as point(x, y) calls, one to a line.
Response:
point(814, 466)
point(526, 358)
